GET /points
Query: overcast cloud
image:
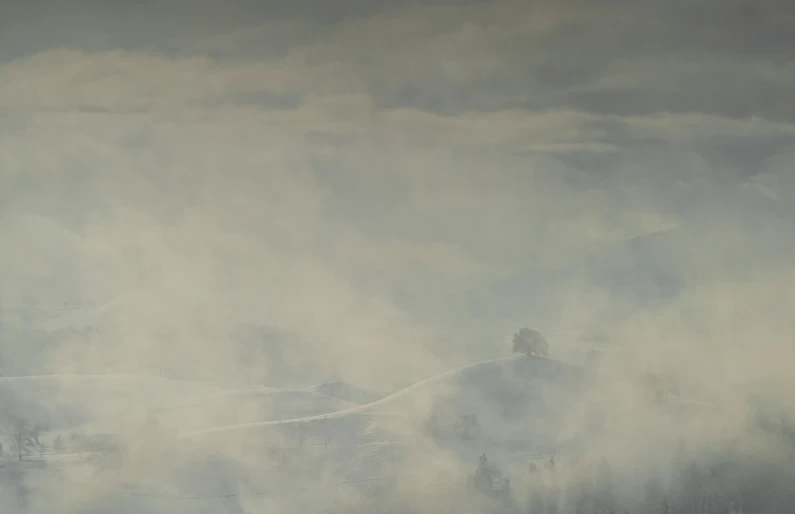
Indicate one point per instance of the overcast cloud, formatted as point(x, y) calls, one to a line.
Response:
point(349, 171)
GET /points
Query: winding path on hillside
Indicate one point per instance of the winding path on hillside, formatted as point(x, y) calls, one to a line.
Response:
point(358, 409)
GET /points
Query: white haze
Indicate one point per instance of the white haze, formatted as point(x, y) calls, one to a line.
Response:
point(219, 208)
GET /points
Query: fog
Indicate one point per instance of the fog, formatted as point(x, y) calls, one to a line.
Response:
point(270, 257)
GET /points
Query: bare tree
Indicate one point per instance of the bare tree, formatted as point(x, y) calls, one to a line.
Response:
point(26, 437)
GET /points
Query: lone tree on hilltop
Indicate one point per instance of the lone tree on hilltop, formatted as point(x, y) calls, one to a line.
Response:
point(530, 342)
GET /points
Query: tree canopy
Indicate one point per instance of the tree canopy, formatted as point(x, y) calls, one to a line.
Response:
point(530, 342)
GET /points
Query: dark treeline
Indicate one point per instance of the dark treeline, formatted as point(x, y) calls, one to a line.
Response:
point(733, 482)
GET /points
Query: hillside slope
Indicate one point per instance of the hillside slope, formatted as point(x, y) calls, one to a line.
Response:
point(75, 402)
point(501, 392)
point(348, 392)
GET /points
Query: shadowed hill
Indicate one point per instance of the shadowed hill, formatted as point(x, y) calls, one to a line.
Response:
point(348, 392)
point(503, 392)
point(643, 270)
point(66, 402)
